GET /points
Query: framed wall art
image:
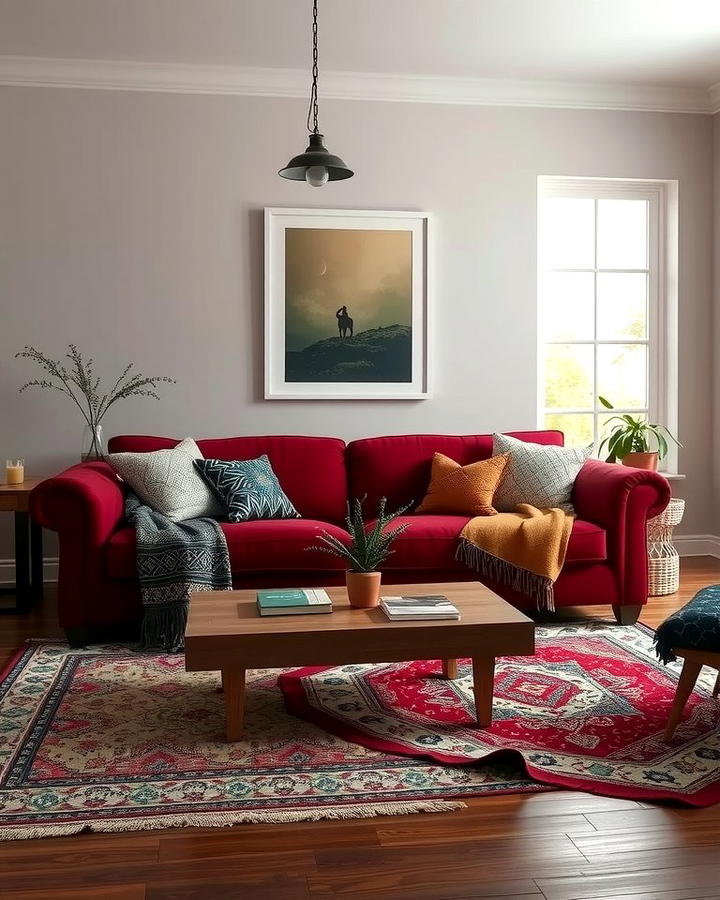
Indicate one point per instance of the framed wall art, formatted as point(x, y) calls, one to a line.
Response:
point(346, 304)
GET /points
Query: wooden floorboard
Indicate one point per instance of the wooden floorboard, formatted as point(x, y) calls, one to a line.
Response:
point(561, 845)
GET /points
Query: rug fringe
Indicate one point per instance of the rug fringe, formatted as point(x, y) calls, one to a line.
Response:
point(220, 820)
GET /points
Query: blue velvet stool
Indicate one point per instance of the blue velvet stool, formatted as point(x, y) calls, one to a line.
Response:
point(692, 633)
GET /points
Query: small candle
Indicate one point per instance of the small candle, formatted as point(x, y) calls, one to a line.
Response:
point(15, 471)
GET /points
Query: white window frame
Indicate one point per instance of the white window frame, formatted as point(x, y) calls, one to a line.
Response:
point(662, 340)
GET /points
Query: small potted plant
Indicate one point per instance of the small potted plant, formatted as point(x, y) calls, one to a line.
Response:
point(367, 551)
point(630, 440)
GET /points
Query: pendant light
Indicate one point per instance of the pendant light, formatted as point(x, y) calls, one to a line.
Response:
point(315, 166)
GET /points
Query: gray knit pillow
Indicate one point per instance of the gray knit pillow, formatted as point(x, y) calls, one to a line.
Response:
point(168, 482)
point(539, 474)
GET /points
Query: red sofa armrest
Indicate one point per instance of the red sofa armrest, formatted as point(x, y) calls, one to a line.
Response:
point(85, 504)
point(90, 494)
point(621, 500)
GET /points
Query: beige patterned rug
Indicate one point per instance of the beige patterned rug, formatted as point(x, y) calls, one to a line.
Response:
point(107, 739)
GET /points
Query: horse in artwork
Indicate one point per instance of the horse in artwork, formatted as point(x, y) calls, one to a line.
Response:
point(345, 323)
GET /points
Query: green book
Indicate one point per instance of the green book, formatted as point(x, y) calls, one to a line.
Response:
point(277, 602)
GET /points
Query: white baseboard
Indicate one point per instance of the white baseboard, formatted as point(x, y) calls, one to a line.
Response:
point(697, 544)
point(7, 570)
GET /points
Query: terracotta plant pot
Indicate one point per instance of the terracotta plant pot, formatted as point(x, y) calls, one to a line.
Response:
point(641, 460)
point(363, 589)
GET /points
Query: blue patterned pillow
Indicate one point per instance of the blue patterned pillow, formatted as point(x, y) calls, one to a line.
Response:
point(248, 487)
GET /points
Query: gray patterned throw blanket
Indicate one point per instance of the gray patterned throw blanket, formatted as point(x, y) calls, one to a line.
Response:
point(174, 559)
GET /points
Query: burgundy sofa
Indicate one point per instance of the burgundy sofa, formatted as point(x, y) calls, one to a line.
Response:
point(97, 586)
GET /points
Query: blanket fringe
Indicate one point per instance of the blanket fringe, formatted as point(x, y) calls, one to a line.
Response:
point(220, 820)
point(537, 587)
point(164, 626)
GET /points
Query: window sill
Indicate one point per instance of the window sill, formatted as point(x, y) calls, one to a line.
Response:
point(673, 476)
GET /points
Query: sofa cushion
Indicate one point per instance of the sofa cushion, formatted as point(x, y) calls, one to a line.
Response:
point(463, 490)
point(431, 542)
point(248, 488)
point(588, 543)
point(398, 467)
point(311, 470)
point(281, 545)
point(537, 474)
point(268, 545)
point(167, 481)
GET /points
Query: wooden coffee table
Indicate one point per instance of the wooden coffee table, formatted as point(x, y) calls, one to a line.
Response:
point(226, 633)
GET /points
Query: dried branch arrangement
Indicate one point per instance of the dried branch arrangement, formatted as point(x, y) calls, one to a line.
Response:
point(76, 378)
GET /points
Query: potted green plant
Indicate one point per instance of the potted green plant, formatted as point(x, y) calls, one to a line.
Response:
point(366, 552)
point(630, 440)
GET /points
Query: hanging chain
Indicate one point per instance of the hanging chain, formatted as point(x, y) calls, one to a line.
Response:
point(312, 116)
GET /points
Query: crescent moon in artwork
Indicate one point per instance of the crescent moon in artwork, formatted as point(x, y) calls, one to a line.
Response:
point(323, 268)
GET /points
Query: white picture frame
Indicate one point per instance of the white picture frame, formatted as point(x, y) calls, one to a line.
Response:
point(410, 380)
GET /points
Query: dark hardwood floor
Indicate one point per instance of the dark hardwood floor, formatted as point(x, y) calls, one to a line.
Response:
point(558, 846)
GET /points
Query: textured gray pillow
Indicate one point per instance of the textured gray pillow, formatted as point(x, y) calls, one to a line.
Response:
point(539, 474)
point(168, 482)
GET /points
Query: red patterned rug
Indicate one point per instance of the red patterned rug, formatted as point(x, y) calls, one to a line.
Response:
point(106, 739)
point(586, 713)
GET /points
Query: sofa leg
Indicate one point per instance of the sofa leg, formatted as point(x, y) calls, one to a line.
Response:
point(626, 615)
point(78, 637)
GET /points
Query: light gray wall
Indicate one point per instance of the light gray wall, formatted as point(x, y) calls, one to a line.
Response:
point(715, 417)
point(131, 224)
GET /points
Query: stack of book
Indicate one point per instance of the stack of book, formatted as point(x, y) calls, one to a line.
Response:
point(293, 602)
point(428, 606)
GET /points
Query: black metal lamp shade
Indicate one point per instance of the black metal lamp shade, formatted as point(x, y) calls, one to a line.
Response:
point(316, 155)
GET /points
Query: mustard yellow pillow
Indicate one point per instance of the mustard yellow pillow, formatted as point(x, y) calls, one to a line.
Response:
point(463, 490)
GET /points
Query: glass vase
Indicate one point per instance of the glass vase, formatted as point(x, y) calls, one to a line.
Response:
point(92, 444)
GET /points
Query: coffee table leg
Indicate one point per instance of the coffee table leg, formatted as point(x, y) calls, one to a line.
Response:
point(450, 669)
point(483, 677)
point(233, 681)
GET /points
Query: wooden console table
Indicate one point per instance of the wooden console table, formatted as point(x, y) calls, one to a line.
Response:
point(28, 588)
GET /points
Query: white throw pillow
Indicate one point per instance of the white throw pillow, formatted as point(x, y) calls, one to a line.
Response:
point(168, 482)
point(540, 474)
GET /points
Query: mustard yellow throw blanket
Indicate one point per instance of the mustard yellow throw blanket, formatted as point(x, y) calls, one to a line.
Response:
point(524, 549)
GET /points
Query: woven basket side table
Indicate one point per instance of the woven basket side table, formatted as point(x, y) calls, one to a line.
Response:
point(663, 558)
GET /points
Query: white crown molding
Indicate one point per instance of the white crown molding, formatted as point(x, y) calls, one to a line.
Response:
point(129, 75)
point(714, 97)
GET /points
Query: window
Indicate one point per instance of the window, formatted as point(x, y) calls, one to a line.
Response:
point(607, 316)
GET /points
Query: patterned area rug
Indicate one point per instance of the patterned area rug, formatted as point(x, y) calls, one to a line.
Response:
point(113, 740)
point(587, 713)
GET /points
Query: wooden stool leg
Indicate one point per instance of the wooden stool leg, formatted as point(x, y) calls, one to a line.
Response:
point(450, 669)
point(716, 689)
point(233, 681)
point(688, 677)
point(483, 678)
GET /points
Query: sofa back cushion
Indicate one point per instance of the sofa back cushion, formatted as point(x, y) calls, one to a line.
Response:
point(311, 470)
point(398, 467)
